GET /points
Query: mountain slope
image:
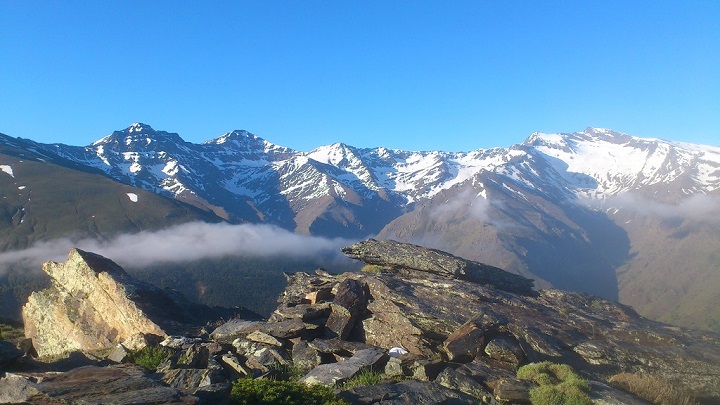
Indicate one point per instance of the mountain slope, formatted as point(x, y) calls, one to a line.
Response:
point(597, 210)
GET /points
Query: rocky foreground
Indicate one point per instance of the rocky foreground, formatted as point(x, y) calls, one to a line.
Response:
point(440, 329)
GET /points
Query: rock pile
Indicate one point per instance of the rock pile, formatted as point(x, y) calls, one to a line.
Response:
point(434, 335)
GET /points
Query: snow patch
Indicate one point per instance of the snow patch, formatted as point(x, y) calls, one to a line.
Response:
point(21, 187)
point(133, 197)
point(7, 169)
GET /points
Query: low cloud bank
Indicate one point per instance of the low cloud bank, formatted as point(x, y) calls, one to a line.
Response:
point(697, 207)
point(184, 243)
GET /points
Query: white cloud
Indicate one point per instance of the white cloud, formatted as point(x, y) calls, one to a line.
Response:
point(184, 243)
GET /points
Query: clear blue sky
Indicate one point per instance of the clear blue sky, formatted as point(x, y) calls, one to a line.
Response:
point(449, 75)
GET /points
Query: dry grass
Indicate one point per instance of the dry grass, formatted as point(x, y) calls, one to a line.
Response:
point(371, 268)
point(654, 389)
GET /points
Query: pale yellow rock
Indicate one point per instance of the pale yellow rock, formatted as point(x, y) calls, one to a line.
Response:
point(87, 308)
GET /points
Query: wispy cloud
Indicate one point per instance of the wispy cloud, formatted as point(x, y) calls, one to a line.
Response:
point(184, 243)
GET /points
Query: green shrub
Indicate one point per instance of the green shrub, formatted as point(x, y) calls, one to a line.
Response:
point(150, 357)
point(246, 391)
point(557, 384)
point(366, 377)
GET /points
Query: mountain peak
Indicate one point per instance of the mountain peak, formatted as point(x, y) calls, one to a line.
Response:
point(139, 127)
point(139, 135)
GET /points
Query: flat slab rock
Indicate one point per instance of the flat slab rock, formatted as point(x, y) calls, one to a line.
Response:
point(392, 254)
point(337, 373)
point(406, 392)
point(121, 384)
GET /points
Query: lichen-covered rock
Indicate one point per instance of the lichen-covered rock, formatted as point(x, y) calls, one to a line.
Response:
point(120, 384)
point(396, 255)
point(94, 304)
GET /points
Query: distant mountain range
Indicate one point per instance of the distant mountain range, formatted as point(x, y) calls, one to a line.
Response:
point(598, 211)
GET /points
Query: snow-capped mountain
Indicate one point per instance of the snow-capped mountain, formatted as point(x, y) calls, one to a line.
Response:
point(572, 210)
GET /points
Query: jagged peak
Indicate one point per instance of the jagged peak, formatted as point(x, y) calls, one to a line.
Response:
point(138, 134)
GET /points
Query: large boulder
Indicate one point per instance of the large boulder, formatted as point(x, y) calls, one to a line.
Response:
point(396, 255)
point(94, 304)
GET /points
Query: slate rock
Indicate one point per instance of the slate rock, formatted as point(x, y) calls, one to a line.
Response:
point(337, 373)
point(466, 342)
point(262, 337)
point(234, 329)
point(188, 380)
point(505, 349)
point(454, 380)
point(234, 365)
point(405, 393)
point(196, 356)
point(513, 390)
point(289, 329)
point(348, 306)
point(304, 357)
point(118, 354)
point(118, 384)
point(392, 254)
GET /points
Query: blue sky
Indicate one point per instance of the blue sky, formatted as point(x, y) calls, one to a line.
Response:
point(419, 75)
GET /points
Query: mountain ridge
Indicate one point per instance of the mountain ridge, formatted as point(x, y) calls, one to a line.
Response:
point(571, 210)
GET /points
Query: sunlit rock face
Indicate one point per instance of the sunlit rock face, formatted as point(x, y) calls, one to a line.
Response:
point(94, 304)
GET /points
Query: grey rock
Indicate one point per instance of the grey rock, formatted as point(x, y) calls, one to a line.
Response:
point(118, 384)
point(196, 356)
point(426, 369)
point(262, 337)
point(232, 363)
point(454, 380)
point(234, 329)
point(513, 391)
point(505, 349)
point(289, 329)
point(118, 354)
point(304, 357)
point(337, 373)
point(188, 380)
point(388, 253)
point(304, 312)
point(16, 388)
point(405, 393)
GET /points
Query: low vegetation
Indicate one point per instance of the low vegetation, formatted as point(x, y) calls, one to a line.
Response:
point(10, 330)
point(150, 357)
point(366, 377)
point(557, 384)
point(371, 268)
point(246, 391)
point(654, 389)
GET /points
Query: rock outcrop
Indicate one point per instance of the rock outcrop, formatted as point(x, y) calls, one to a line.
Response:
point(94, 304)
point(445, 338)
point(404, 256)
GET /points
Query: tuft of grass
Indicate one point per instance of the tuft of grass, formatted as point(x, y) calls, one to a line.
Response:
point(557, 384)
point(286, 372)
point(372, 269)
point(150, 357)
point(366, 377)
point(246, 391)
point(12, 331)
point(654, 389)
